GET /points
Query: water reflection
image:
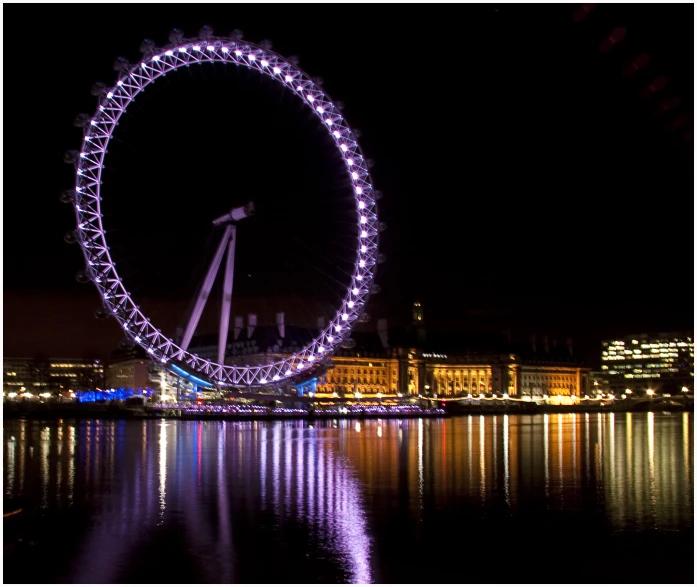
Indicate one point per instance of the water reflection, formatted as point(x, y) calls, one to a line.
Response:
point(319, 494)
point(162, 456)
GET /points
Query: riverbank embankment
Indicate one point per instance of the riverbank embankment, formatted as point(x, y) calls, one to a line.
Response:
point(118, 411)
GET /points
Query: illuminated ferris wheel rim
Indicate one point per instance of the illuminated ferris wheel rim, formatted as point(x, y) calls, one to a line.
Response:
point(86, 198)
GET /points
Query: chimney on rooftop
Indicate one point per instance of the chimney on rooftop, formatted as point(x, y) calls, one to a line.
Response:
point(251, 324)
point(382, 332)
point(239, 322)
point(281, 323)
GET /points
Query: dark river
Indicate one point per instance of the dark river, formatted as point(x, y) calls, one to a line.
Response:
point(573, 498)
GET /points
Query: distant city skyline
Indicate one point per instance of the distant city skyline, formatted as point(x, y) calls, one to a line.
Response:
point(531, 184)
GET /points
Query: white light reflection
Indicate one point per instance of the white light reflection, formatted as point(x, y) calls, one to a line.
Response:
point(88, 451)
point(340, 509)
point(328, 494)
point(71, 463)
point(599, 455)
point(652, 464)
point(225, 541)
point(44, 447)
point(560, 448)
point(630, 446)
point(588, 442)
point(421, 463)
point(469, 447)
point(611, 424)
point(162, 460)
point(482, 467)
point(311, 464)
point(686, 444)
point(10, 466)
point(263, 447)
point(495, 452)
point(22, 434)
point(321, 476)
point(59, 461)
point(288, 469)
point(300, 473)
point(506, 471)
point(574, 448)
point(276, 464)
point(352, 531)
point(546, 451)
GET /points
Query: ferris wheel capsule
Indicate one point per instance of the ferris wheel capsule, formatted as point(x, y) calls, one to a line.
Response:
point(71, 237)
point(121, 64)
point(381, 258)
point(378, 194)
point(101, 313)
point(98, 89)
point(382, 226)
point(205, 32)
point(147, 46)
point(266, 45)
point(83, 276)
point(237, 35)
point(375, 288)
point(127, 344)
point(71, 156)
point(81, 120)
point(68, 196)
point(175, 36)
point(294, 60)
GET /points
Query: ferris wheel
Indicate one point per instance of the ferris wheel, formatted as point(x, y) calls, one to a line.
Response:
point(100, 268)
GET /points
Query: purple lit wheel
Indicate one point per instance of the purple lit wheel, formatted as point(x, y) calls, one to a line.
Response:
point(86, 198)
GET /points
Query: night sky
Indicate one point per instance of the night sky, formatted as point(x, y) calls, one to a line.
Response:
point(529, 183)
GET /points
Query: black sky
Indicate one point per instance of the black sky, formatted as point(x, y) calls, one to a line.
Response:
point(527, 184)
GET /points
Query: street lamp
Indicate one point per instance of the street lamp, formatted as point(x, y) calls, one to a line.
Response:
point(650, 392)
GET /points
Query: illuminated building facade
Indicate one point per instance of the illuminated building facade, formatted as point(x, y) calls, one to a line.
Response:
point(129, 373)
point(388, 363)
point(40, 375)
point(662, 362)
point(375, 367)
point(360, 374)
point(512, 375)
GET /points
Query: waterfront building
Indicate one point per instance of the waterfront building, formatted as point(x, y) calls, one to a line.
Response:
point(600, 384)
point(662, 363)
point(394, 362)
point(129, 370)
point(35, 375)
point(388, 363)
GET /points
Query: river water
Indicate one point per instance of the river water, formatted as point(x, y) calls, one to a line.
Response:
point(572, 498)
